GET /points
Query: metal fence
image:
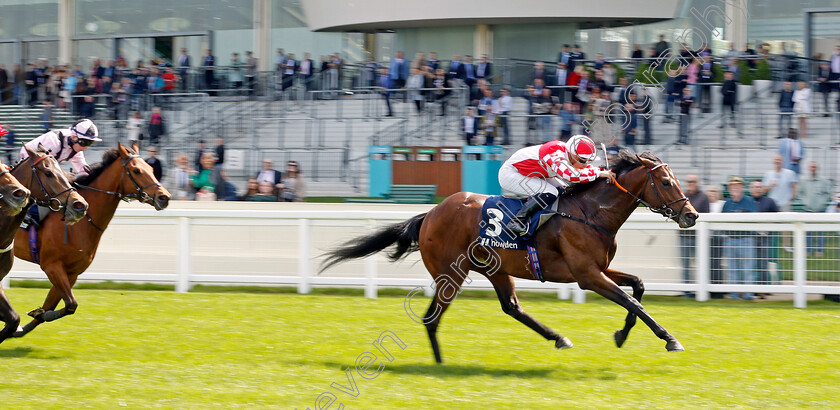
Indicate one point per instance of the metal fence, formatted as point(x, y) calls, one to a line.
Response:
point(741, 254)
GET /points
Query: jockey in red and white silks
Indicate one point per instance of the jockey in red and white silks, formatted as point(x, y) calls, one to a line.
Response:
point(538, 171)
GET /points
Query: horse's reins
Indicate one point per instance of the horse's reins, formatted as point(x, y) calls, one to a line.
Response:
point(51, 199)
point(140, 195)
point(665, 209)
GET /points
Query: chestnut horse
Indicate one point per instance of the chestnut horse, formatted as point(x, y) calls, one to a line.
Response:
point(66, 252)
point(48, 186)
point(576, 246)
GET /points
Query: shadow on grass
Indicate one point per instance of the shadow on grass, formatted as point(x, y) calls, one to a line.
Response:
point(456, 370)
point(20, 351)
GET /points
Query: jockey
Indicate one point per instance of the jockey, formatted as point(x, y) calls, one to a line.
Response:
point(538, 171)
point(67, 145)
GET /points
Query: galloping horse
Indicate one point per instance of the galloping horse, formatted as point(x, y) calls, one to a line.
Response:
point(66, 252)
point(576, 246)
point(49, 187)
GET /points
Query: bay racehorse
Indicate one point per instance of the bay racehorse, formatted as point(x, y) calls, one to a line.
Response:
point(67, 251)
point(48, 187)
point(576, 246)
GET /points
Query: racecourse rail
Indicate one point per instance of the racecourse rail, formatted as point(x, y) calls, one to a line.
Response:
point(282, 244)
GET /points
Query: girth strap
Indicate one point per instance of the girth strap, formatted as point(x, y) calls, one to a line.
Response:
point(585, 222)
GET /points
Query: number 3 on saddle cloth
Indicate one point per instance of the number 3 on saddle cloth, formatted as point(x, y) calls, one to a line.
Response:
point(497, 212)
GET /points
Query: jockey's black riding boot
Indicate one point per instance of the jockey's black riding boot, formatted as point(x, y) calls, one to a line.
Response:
point(519, 224)
point(32, 217)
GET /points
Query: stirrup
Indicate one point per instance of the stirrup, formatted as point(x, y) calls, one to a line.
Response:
point(517, 226)
point(30, 221)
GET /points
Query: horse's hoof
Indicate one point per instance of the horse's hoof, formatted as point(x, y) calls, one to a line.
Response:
point(620, 337)
point(36, 312)
point(563, 343)
point(674, 346)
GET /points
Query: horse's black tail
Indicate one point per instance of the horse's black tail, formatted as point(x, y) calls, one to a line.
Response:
point(405, 234)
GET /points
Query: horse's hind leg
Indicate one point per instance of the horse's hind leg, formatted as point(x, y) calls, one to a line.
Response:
point(9, 317)
point(447, 287)
point(510, 305)
point(605, 287)
point(626, 279)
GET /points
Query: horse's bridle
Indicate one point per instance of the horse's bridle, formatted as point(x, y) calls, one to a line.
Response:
point(140, 195)
point(664, 209)
point(51, 199)
point(3, 171)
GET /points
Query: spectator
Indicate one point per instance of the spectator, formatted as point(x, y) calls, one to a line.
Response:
point(157, 128)
point(115, 100)
point(565, 57)
point(706, 77)
point(780, 184)
point(824, 86)
point(290, 69)
point(265, 193)
point(5, 90)
point(9, 143)
point(47, 116)
point(433, 62)
point(211, 178)
point(252, 189)
point(415, 82)
point(220, 150)
point(200, 150)
point(577, 55)
point(802, 106)
point(685, 114)
point(487, 101)
point(688, 242)
point(568, 119)
point(645, 109)
point(834, 68)
point(294, 186)
point(815, 196)
point(637, 53)
point(632, 124)
point(207, 65)
point(739, 247)
point(489, 124)
point(539, 72)
point(155, 163)
point(251, 71)
point(673, 94)
point(790, 148)
point(662, 46)
point(730, 99)
point(484, 69)
point(504, 107)
point(785, 106)
point(268, 173)
point(183, 178)
point(469, 126)
point(543, 106)
point(206, 193)
point(384, 84)
point(183, 68)
point(279, 60)
point(306, 71)
point(134, 127)
point(399, 71)
point(561, 75)
point(762, 239)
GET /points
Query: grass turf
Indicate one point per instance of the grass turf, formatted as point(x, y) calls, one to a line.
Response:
point(152, 348)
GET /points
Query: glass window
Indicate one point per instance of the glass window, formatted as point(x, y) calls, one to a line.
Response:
point(153, 16)
point(28, 18)
point(289, 32)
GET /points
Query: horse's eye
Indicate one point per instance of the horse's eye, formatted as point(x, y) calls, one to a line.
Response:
point(666, 183)
point(137, 171)
point(49, 174)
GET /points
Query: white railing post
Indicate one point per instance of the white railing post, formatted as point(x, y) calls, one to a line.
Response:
point(800, 271)
point(579, 295)
point(184, 255)
point(370, 269)
point(6, 282)
point(702, 252)
point(304, 264)
point(563, 291)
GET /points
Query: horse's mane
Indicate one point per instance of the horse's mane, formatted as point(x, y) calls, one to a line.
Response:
point(98, 168)
point(625, 161)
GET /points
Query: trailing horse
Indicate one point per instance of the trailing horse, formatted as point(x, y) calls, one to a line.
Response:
point(575, 246)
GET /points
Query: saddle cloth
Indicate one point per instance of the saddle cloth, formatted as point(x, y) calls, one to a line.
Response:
point(498, 211)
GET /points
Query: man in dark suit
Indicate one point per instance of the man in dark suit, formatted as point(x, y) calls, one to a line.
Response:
point(565, 57)
point(730, 99)
point(209, 62)
point(484, 69)
point(289, 70)
point(561, 76)
point(577, 56)
point(637, 52)
point(539, 72)
point(456, 68)
point(154, 162)
point(433, 62)
point(269, 174)
point(183, 67)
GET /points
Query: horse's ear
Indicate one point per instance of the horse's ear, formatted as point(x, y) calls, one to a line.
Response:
point(646, 162)
point(32, 153)
point(121, 149)
point(135, 147)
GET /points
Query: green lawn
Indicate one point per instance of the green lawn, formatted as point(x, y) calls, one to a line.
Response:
point(152, 348)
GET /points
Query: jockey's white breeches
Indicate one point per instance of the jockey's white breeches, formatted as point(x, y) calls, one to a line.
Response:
point(515, 184)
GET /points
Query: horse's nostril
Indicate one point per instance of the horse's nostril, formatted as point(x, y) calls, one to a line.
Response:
point(79, 206)
point(19, 193)
point(163, 198)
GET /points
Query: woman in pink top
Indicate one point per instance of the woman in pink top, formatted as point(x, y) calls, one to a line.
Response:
point(692, 72)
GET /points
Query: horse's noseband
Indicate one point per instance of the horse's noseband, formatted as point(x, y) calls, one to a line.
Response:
point(665, 208)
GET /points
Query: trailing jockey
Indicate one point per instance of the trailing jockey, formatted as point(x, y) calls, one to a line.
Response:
point(538, 171)
point(67, 145)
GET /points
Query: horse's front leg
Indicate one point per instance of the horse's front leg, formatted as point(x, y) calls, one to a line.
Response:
point(37, 314)
point(9, 317)
point(61, 289)
point(505, 290)
point(626, 279)
point(598, 282)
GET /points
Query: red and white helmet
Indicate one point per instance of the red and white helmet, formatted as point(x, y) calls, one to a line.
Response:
point(582, 148)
